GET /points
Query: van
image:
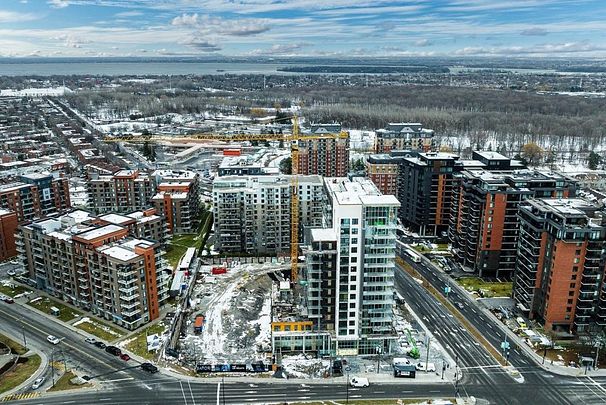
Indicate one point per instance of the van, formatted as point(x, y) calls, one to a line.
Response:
point(359, 382)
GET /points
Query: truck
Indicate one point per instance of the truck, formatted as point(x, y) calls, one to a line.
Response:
point(199, 324)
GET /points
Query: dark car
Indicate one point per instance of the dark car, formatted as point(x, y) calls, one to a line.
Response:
point(337, 368)
point(125, 357)
point(150, 368)
point(100, 345)
point(113, 350)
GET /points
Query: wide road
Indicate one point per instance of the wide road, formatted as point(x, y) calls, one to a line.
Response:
point(79, 355)
point(539, 385)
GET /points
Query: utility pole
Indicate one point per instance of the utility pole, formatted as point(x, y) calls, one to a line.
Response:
point(378, 358)
point(23, 331)
point(52, 368)
point(347, 385)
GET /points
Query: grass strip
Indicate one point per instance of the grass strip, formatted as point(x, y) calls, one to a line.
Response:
point(138, 345)
point(66, 313)
point(99, 331)
point(16, 347)
point(19, 374)
point(64, 384)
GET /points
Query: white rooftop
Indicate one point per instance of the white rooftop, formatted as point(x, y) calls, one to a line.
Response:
point(116, 219)
point(99, 232)
point(358, 191)
point(119, 253)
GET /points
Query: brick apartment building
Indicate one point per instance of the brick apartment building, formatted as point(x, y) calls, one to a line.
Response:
point(8, 226)
point(123, 191)
point(35, 195)
point(178, 199)
point(96, 265)
point(404, 136)
point(560, 270)
point(173, 193)
point(382, 170)
point(328, 155)
point(484, 223)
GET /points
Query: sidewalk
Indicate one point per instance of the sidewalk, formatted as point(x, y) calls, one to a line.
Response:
point(519, 342)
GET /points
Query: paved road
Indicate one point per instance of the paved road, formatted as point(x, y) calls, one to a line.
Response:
point(482, 378)
point(539, 385)
point(79, 355)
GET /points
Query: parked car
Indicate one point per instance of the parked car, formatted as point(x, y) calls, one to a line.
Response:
point(54, 340)
point(460, 305)
point(113, 350)
point(11, 272)
point(38, 383)
point(359, 382)
point(125, 357)
point(100, 345)
point(92, 341)
point(150, 368)
point(421, 367)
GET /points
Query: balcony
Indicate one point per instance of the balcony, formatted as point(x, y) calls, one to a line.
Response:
point(129, 290)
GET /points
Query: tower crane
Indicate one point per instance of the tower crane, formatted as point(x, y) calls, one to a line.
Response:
point(294, 137)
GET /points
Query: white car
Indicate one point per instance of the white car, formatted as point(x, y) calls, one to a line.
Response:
point(430, 367)
point(359, 382)
point(11, 272)
point(54, 340)
point(38, 383)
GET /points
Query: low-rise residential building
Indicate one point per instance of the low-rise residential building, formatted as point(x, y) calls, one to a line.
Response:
point(99, 267)
point(252, 214)
point(405, 135)
point(349, 269)
point(561, 267)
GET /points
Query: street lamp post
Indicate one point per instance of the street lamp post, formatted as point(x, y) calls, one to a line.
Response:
point(347, 385)
point(378, 348)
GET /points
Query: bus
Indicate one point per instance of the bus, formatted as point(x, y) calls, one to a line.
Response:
point(412, 255)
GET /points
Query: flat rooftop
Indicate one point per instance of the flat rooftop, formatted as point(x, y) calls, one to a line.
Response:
point(116, 219)
point(99, 232)
point(358, 191)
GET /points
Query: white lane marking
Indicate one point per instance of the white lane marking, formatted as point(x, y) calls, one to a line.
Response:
point(120, 379)
point(191, 393)
point(183, 393)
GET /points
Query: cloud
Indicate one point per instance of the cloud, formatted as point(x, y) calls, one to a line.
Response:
point(71, 40)
point(14, 17)
point(125, 14)
point(58, 3)
point(219, 26)
point(280, 49)
point(202, 44)
point(561, 49)
point(423, 42)
point(534, 32)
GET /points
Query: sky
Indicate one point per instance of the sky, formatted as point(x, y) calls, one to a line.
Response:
point(271, 28)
